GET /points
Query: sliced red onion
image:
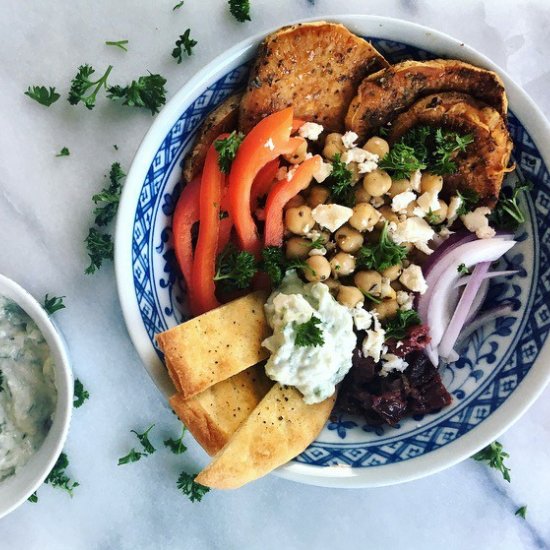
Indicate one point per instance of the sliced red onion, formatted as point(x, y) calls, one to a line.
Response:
point(456, 239)
point(483, 319)
point(478, 300)
point(490, 275)
point(461, 312)
point(433, 305)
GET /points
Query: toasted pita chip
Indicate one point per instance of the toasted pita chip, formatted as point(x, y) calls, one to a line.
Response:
point(214, 415)
point(276, 431)
point(222, 119)
point(216, 345)
point(315, 67)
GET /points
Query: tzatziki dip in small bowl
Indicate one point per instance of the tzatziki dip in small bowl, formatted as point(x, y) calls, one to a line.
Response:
point(36, 393)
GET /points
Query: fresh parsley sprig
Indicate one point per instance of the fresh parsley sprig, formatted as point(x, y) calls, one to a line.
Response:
point(184, 45)
point(64, 152)
point(80, 394)
point(109, 197)
point(339, 182)
point(132, 456)
point(397, 327)
point(176, 445)
point(235, 268)
point(308, 334)
point(227, 150)
point(59, 479)
point(494, 455)
point(100, 247)
point(85, 90)
point(447, 145)
point(148, 449)
point(53, 304)
point(385, 253)
point(189, 487)
point(469, 198)
point(33, 498)
point(118, 44)
point(508, 214)
point(463, 270)
point(147, 92)
point(276, 264)
point(401, 161)
point(41, 94)
point(240, 10)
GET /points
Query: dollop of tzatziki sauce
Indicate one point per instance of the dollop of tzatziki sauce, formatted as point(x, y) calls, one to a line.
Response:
point(27, 390)
point(313, 370)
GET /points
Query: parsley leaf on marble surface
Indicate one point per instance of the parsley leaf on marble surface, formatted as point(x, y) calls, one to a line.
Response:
point(176, 445)
point(184, 45)
point(53, 304)
point(189, 487)
point(80, 394)
point(1, 381)
point(43, 95)
point(521, 512)
point(132, 456)
point(494, 455)
point(240, 10)
point(178, 5)
point(118, 44)
point(81, 84)
point(33, 498)
point(100, 247)
point(58, 478)
point(147, 92)
point(143, 438)
point(64, 152)
point(109, 197)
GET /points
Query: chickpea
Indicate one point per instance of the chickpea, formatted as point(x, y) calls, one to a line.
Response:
point(353, 167)
point(369, 282)
point(440, 215)
point(332, 284)
point(342, 264)
point(430, 183)
point(295, 201)
point(318, 194)
point(299, 154)
point(361, 195)
point(297, 247)
point(365, 217)
point(393, 272)
point(318, 269)
point(377, 146)
point(333, 146)
point(387, 215)
point(386, 309)
point(348, 239)
point(399, 186)
point(386, 291)
point(350, 296)
point(299, 220)
point(377, 182)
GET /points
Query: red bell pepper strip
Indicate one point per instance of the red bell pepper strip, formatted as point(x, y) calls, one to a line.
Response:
point(280, 194)
point(186, 215)
point(204, 264)
point(226, 224)
point(263, 182)
point(263, 144)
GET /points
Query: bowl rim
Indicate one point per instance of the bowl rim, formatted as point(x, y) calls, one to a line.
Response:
point(381, 27)
point(45, 457)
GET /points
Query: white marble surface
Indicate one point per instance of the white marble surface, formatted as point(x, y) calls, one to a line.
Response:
point(45, 212)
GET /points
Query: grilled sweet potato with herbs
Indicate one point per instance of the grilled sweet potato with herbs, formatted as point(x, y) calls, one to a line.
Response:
point(314, 67)
point(482, 166)
point(383, 95)
point(222, 119)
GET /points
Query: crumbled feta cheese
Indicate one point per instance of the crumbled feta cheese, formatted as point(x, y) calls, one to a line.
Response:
point(310, 130)
point(415, 179)
point(290, 173)
point(318, 251)
point(373, 343)
point(428, 202)
point(413, 230)
point(413, 279)
point(392, 363)
point(477, 222)
point(281, 173)
point(367, 166)
point(445, 233)
point(323, 172)
point(331, 216)
point(452, 212)
point(362, 319)
point(349, 139)
point(269, 145)
point(405, 300)
point(400, 202)
point(366, 161)
point(377, 202)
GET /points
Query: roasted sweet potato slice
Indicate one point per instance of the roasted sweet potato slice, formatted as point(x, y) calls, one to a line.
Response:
point(482, 166)
point(222, 119)
point(214, 415)
point(383, 95)
point(277, 430)
point(315, 67)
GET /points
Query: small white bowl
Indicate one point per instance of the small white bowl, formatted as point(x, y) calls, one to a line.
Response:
point(17, 489)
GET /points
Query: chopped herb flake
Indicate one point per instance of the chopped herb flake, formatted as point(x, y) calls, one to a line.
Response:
point(189, 487)
point(80, 394)
point(184, 45)
point(118, 44)
point(494, 455)
point(58, 478)
point(53, 304)
point(240, 10)
point(176, 445)
point(43, 95)
point(63, 153)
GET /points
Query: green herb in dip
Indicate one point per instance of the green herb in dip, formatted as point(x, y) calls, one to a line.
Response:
point(27, 394)
point(313, 339)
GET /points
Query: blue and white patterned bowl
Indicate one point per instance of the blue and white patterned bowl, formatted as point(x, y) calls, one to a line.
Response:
point(500, 372)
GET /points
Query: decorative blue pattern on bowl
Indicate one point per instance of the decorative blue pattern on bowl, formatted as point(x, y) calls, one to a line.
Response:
point(494, 362)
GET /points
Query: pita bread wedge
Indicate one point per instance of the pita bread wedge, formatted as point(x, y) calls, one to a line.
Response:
point(277, 430)
point(214, 415)
point(216, 345)
point(314, 67)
